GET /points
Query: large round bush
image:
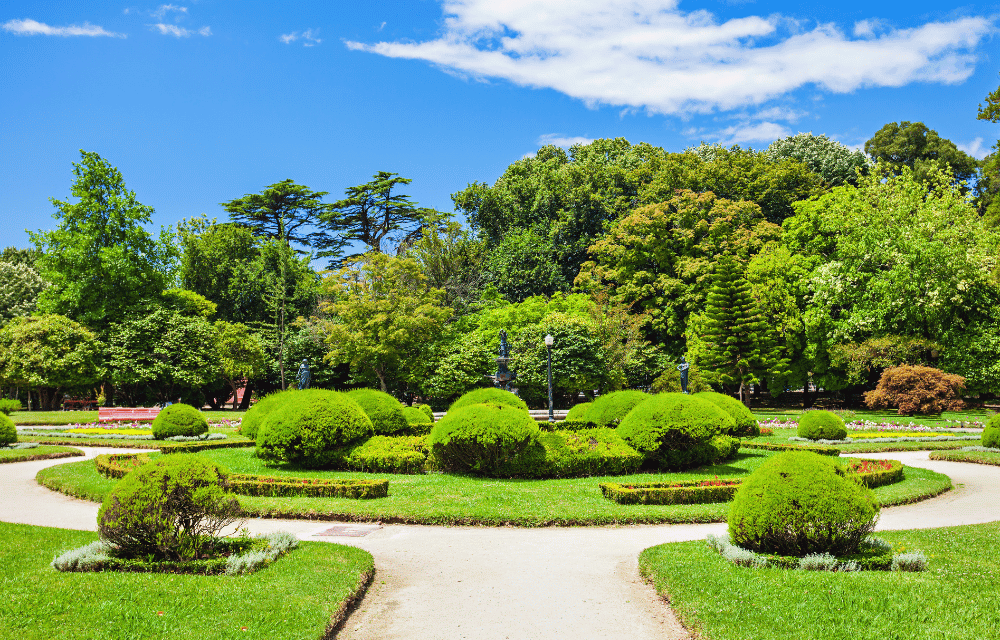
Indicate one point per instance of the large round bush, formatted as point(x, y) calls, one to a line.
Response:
point(675, 431)
point(746, 424)
point(309, 426)
point(258, 413)
point(991, 433)
point(483, 438)
point(611, 408)
point(821, 425)
point(8, 432)
point(179, 420)
point(491, 395)
point(578, 412)
point(169, 508)
point(799, 503)
point(383, 410)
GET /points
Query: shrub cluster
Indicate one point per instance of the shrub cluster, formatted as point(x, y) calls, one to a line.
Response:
point(611, 408)
point(578, 412)
point(260, 410)
point(308, 427)
point(800, 503)
point(426, 408)
point(485, 439)
point(991, 433)
point(415, 416)
point(170, 508)
point(8, 431)
point(675, 431)
point(9, 406)
point(490, 395)
point(383, 410)
point(386, 454)
point(917, 390)
point(587, 452)
point(821, 425)
point(746, 424)
point(179, 420)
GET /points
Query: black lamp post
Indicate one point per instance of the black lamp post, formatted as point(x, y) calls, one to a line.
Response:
point(549, 341)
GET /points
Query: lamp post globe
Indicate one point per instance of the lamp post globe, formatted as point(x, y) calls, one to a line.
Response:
point(549, 341)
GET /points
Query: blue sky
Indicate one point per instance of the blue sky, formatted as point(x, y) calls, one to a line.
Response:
point(200, 102)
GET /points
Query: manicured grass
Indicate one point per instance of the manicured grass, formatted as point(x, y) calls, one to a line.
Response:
point(38, 453)
point(59, 418)
point(781, 436)
point(450, 499)
point(978, 457)
point(952, 600)
point(296, 597)
point(945, 420)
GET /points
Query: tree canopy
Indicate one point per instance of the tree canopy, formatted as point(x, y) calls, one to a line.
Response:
point(922, 150)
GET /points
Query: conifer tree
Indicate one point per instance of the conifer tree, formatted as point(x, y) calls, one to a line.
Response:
point(739, 347)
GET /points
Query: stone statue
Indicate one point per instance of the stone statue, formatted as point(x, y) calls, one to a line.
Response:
point(303, 376)
point(683, 368)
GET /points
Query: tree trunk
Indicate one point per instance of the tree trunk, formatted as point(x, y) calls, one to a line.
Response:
point(247, 390)
point(381, 379)
point(232, 383)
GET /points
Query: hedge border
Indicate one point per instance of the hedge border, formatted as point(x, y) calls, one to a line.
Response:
point(185, 447)
point(773, 446)
point(882, 477)
point(43, 456)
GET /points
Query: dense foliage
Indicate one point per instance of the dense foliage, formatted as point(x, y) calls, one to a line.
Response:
point(917, 390)
point(485, 439)
point(674, 431)
point(8, 431)
point(746, 424)
point(611, 408)
point(382, 409)
point(821, 425)
point(991, 433)
point(179, 420)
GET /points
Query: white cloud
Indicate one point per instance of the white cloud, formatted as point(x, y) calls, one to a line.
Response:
point(976, 148)
point(649, 54)
point(561, 140)
point(309, 37)
point(742, 133)
point(164, 9)
point(180, 32)
point(29, 27)
point(779, 113)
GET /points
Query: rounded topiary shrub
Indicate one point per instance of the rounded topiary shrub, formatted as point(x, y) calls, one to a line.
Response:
point(579, 412)
point(821, 425)
point(256, 415)
point(426, 408)
point(483, 438)
point(746, 424)
point(179, 420)
point(491, 395)
point(309, 426)
point(799, 503)
point(611, 408)
point(414, 415)
point(991, 433)
point(170, 508)
point(675, 431)
point(8, 432)
point(383, 410)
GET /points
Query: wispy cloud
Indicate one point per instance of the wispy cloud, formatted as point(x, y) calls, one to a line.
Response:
point(180, 32)
point(164, 9)
point(976, 148)
point(309, 37)
point(741, 133)
point(29, 27)
point(648, 54)
point(561, 140)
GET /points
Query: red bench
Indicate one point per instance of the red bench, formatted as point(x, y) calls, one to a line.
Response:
point(127, 414)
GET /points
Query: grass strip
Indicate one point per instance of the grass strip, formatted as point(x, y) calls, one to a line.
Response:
point(780, 436)
point(38, 453)
point(977, 457)
point(719, 600)
point(304, 595)
point(466, 500)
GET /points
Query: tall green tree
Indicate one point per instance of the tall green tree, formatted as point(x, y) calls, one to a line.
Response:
point(913, 145)
point(737, 347)
point(452, 259)
point(100, 261)
point(988, 185)
point(827, 158)
point(283, 211)
point(241, 357)
point(20, 286)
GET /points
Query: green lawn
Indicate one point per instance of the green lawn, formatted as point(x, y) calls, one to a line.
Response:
point(978, 457)
point(38, 453)
point(781, 436)
point(953, 600)
point(945, 420)
point(54, 438)
point(59, 418)
point(451, 499)
point(296, 597)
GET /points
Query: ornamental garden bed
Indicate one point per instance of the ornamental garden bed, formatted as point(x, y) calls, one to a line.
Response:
point(36, 452)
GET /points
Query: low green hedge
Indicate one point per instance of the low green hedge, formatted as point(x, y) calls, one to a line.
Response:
point(386, 454)
point(588, 452)
point(773, 446)
point(116, 465)
point(879, 477)
point(281, 486)
point(194, 447)
point(566, 425)
point(684, 492)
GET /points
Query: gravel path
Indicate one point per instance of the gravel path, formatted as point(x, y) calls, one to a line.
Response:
point(497, 583)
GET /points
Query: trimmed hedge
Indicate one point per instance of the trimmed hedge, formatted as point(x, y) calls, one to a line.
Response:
point(566, 425)
point(674, 430)
point(579, 411)
point(386, 454)
point(485, 439)
point(774, 446)
point(8, 431)
point(683, 492)
point(416, 416)
point(490, 395)
point(308, 428)
point(588, 452)
point(195, 447)
point(798, 503)
point(179, 420)
point(384, 411)
point(280, 486)
point(257, 414)
point(426, 408)
point(611, 408)
point(821, 425)
point(746, 424)
point(117, 465)
point(879, 476)
point(991, 433)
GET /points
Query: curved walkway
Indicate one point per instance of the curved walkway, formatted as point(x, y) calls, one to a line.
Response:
point(496, 583)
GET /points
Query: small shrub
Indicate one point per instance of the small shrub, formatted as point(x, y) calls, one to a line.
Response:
point(743, 557)
point(991, 433)
point(818, 562)
point(578, 412)
point(9, 405)
point(917, 390)
point(426, 408)
point(674, 431)
point(821, 425)
point(258, 413)
point(915, 561)
point(309, 426)
point(414, 416)
point(384, 411)
point(611, 408)
point(491, 395)
point(746, 424)
point(171, 508)
point(482, 438)
point(179, 420)
point(8, 432)
point(800, 503)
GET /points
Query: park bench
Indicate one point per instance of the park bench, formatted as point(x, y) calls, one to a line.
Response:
point(78, 404)
point(127, 414)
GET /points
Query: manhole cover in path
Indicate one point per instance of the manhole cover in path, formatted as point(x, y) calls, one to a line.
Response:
point(349, 530)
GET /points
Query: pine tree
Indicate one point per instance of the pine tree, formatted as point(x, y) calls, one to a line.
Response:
point(739, 346)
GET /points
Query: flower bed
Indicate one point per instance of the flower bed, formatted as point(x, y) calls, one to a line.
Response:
point(877, 473)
